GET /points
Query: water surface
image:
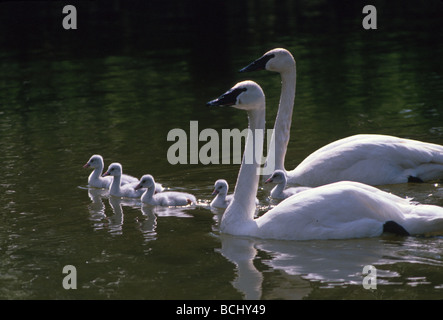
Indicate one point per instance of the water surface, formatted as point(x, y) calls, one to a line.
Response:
point(132, 72)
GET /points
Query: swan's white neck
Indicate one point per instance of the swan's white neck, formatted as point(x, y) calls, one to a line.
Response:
point(220, 197)
point(148, 194)
point(242, 207)
point(278, 189)
point(282, 126)
point(115, 185)
point(96, 174)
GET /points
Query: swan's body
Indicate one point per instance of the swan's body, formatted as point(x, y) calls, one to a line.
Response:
point(96, 180)
point(117, 189)
point(336, 211)
point(346, 210)
point(370, 159)
point(168, 198)
point(222, 199)
point(279, 191)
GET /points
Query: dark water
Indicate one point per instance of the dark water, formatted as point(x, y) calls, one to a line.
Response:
point(135, 70)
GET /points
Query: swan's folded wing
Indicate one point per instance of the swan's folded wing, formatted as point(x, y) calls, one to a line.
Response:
point(336, 211)
point(371, 159)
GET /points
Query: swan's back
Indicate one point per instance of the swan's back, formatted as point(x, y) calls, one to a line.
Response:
point(370, 159)
point(344, 210)
point(173, 198)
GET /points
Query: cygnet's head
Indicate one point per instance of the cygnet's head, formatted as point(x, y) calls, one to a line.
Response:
point(114, 169)
point(96, 161)
point(220, 187)
point(278, 60)
point(246, 95)
point(147, 181)
point(279, 176)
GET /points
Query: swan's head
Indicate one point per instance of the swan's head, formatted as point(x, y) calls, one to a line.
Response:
point(279, 176)
point(147, 181)
point(278, 60)
point(246, 95)
point(114, 169)
point(96, 161)
point(220, 187)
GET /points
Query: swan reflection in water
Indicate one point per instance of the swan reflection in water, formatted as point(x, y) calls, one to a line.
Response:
point(330, 263)
point(114, 222)
point(97, 206)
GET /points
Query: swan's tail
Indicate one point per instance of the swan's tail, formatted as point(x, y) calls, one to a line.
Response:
point(424, 220)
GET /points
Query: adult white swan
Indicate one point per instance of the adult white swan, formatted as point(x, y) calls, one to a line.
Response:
point(96, 180)
point(368, 158)
point(168, 198)
point(334, 211)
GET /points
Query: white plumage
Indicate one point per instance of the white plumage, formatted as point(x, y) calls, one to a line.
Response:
point(368, 158)
point(335, 211)
point(346, 209)
point(96, 180)
point(118, 189)
point(280, 191)
point(222, 198)
point(167, 198)
point(371, 159)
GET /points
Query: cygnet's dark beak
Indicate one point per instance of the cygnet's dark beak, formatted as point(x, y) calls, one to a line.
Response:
point(105, 174)
point(87, 165)
point(139, 186)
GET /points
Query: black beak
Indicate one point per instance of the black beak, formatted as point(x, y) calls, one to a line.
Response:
point(259, 64)
point(227, 99)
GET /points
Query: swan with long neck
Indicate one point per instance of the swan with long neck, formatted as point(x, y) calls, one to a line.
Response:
point(368, 158)
point(246, 95)
point(96, 180)
point(281, 61)
point(335, 211)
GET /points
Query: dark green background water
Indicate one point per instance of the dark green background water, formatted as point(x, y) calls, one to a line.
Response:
point(134, 70)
